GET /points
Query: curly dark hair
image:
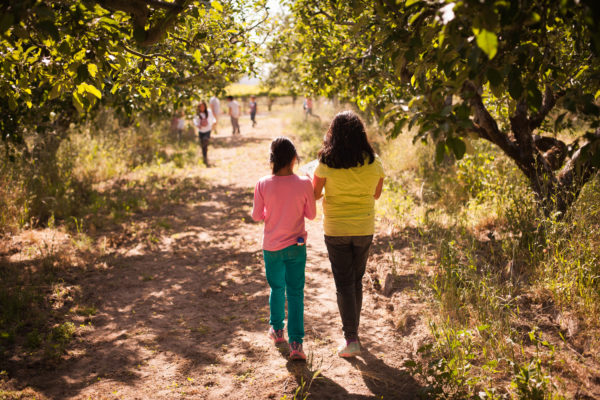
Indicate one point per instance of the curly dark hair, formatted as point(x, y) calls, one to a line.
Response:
point(346, 144)
point(282, 153)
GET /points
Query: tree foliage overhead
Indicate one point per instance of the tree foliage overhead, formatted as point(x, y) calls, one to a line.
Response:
point(60, 59)
point(522, 74)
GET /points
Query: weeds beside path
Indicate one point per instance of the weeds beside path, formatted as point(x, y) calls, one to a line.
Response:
point(178, 304)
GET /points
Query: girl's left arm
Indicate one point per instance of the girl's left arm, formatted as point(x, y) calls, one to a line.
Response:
point(378, 189)
point(258, 210)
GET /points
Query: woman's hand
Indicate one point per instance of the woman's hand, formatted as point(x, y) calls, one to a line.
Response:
point(318, 184)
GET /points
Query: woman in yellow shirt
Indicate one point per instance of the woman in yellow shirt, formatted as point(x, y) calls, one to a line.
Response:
point(352, 176)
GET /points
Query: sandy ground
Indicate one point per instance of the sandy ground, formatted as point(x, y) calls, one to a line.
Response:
point(186, 316)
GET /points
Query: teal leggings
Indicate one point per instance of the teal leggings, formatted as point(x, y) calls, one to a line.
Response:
point(285, 273)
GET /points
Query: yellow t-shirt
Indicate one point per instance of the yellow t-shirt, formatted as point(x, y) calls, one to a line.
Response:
point(349, 205)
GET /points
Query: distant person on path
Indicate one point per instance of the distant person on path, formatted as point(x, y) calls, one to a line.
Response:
point(252, 105)
point(204, 120)
point(283, 200)
point(215, 107)
point(352, 175)
point(234, 114)
point(308, 106)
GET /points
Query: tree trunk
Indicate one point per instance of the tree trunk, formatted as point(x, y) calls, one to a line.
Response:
point(539, 157)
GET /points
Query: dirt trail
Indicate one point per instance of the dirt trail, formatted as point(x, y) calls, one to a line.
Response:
point(187, 316)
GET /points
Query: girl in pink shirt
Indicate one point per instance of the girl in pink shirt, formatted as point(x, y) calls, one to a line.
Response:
point(283, 200)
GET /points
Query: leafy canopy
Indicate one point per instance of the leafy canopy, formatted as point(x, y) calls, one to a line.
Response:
point(61, 59)
point(506, 71)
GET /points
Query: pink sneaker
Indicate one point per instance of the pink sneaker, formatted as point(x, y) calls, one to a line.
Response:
point(276, 335)
point(296, 352)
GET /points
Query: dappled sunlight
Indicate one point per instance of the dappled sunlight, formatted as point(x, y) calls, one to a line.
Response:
point(176, 280)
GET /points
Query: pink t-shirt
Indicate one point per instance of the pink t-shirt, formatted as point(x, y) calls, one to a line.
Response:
point(283, 202)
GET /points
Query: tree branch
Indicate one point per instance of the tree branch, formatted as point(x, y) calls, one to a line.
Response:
point(155, 33)
point(485, 125)
point(234, 40)
point(142, 55)
point(329, 17)
point(520, 128)
point(553, 150)
point(141, 10)
point(548, 104)
point(578, 170)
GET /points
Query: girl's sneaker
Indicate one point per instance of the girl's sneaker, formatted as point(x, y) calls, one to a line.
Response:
point(276, 335)
point(296, 352)
point(349, 349)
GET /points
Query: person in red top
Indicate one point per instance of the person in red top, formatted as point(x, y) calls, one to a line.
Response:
point(283, 200)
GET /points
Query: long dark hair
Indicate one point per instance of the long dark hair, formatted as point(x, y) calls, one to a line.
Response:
point(282, 153)
point(346, 144)
point(202, 103)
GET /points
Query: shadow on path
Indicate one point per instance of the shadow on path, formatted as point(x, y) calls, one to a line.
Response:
point(179, 287)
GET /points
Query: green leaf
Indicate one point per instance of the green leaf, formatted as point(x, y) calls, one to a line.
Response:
point(93, 90)
point(49, 28)
point(487, 41)
point(494, 76)
point(534, 18)
point(440, 151)
point(92, 69)
point(55, 91)
point(77, 102)
point(82, 73)
point(515, 88)
point(398, 128)
point(144, 92)
point(87, 88)
point(217, 6)
point(458, 147)
point(198, 56)
point(410, 2)
point(534, 96)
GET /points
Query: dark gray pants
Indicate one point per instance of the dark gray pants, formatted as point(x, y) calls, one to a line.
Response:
point(235, 125)
point(348, 256)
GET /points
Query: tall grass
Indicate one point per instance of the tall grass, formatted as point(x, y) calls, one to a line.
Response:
point(501, 269)
point(62, 186)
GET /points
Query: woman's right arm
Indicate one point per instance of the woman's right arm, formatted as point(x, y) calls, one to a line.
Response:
point(318, 184)
point(378, 189)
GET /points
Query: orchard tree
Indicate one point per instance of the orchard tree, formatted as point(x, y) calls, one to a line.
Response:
point(60, 59)
point(522, 74)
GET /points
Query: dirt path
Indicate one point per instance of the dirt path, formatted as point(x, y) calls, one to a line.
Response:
point(186, 315)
